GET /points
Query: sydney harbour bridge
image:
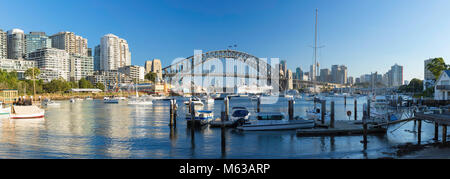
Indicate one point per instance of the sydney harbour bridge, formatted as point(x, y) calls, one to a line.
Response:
point(226, 71)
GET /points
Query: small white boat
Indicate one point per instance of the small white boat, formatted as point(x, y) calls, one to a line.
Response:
point(275, 121)
point(111, 100)
point(316, 114)
point(196, 101)
point(4, 112)
point(72, 100)
point(158, 97)
point(201, 118)
point(27, 112)
point(140, 101)
point(48, 102)
point(89, 98)
point(380, 101)
point(239, 116)
point(209, 100)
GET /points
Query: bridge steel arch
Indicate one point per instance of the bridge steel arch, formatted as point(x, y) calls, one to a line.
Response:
point(261, 66)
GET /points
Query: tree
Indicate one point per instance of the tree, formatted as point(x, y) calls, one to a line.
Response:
point(83, 83)
point(151, 77)
point(29, 72)
point(436, 66)
point(100, 86)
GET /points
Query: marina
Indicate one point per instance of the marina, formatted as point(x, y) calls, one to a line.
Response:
point(93, 129)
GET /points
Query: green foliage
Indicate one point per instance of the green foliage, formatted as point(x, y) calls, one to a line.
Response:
point(8, 80)
point(58, 85)
point(83, 83)
point(436, 66)
point(414, 86)
point(29, 73)
point(151, 77)
point(100, 86)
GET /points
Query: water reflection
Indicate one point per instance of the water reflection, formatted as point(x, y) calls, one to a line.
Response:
point(92, 129)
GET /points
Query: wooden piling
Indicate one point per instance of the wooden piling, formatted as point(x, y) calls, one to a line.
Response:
point(227, 108)
point(171, 113)
point(444, 134)
point(356, 109)
point(436, 131)
point(258, 105)
point(223, 142)
point(332, 115)
point(323, 110)
point(175, 109)
point(368, 109)
point(364, 123)
point(291, 109)
point(419, 131)
point(345, 100)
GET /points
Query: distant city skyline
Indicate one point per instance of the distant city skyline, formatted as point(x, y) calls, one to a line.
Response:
point(366, 36)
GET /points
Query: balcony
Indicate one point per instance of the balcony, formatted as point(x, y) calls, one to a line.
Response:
point(443, 87)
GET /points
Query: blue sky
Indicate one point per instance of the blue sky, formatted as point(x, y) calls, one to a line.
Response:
point(365, 35)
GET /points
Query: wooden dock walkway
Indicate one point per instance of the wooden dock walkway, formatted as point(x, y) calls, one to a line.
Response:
point(340, 128)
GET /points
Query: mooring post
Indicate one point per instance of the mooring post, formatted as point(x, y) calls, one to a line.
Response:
point(291, 109)
point(258, 105)
point(171, 113)
point(223, 142)
point(345, 100)
point(323, 102)
point(364, 123)
point(227, 108)
point(368, 109)
point(356, 109)
point(444, 134)
point(419, 131)
point(175, 109)
point(192, 115)
point(332, 115)
point(436, 131)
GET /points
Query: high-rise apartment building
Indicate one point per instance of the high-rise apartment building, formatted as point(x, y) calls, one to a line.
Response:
point(396, 75)
point(135, 72)
point(114, 53)
point(427, 73)
point(53, 63)
point(324, 75)
point(429, 78)
point(299, 73)
point(71, 43)
point(16, 44)
point(97, 58)
point(36, 40)
point(80, 66)
point(3, 46)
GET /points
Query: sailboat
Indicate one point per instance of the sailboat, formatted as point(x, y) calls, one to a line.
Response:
point(139, 100)
point(28, 112)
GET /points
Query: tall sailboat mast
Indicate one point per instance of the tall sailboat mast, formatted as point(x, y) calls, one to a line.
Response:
point(315, 55)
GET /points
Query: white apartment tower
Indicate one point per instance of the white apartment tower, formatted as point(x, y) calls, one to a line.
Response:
point(16, 44)
point(114, 53)
point(3, 46)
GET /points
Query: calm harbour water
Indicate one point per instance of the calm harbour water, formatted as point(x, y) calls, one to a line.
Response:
point(92, 129)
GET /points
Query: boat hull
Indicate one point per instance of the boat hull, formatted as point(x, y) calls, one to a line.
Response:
point(291, 125)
